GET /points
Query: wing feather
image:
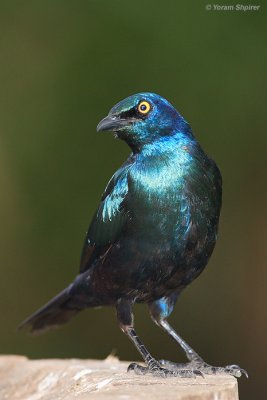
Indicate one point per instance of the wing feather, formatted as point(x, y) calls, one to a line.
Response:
point(109, 219)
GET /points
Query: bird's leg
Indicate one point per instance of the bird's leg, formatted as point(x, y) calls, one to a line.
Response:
point(191, 355)
point(195, 361)
point(125, 318)
point(158, 314)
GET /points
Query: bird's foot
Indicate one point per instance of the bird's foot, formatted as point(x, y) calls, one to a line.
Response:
point(204, 368)
point(154, 368)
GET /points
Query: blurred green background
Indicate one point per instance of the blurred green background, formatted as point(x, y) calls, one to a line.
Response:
point(64, 64)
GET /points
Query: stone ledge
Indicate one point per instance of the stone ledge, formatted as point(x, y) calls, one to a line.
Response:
point(53, 379)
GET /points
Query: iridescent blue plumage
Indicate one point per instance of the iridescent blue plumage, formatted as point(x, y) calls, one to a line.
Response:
point(154, 230)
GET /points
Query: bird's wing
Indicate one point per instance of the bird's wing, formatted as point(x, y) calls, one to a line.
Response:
point(109, 219)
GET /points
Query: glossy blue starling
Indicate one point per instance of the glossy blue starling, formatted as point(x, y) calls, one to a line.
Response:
point(152, 234)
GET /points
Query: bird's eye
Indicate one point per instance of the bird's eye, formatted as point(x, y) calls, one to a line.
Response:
point(144, 107)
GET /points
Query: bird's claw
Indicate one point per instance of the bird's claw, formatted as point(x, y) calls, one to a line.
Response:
point(205, 368)
point(138, 369)
point(235, 370)
point(156, 370)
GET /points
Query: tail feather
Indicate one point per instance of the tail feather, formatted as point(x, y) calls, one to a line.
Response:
point(56, 312)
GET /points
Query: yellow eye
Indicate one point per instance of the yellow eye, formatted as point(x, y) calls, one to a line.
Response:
point(144, 107)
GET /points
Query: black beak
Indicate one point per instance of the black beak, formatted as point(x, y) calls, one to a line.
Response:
point(112, 123)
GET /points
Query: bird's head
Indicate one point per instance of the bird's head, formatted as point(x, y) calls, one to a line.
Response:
point(143, 118)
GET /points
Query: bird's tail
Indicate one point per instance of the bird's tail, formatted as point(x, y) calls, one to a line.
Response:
point(56, 312)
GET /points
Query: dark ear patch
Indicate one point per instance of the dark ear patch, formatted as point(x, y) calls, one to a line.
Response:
point(132, 113)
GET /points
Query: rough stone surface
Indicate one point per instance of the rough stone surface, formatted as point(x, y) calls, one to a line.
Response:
point(22, 379)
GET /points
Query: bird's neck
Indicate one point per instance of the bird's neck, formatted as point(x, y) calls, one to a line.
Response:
point(161, 137)
point(165, 145)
